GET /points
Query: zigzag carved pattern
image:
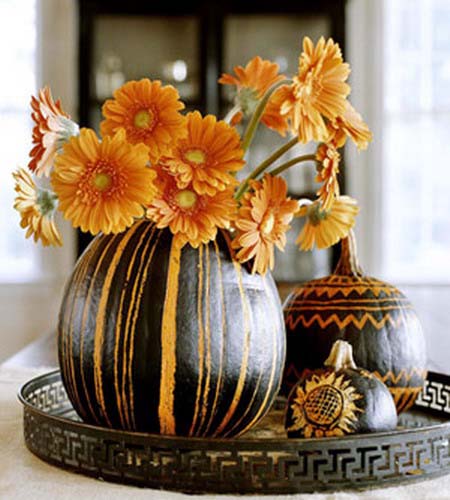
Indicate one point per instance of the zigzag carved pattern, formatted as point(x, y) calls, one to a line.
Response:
point(292, 322)
point(345, 285)
point(402, 376)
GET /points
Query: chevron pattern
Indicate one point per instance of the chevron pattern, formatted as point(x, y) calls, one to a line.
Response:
point(360, 323)
point(345, 285)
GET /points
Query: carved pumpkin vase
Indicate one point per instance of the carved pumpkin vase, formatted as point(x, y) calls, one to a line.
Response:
point(169, 340)
point(372, 315)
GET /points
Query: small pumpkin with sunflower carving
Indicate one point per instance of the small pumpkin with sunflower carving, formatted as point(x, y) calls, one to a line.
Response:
point(339, 399)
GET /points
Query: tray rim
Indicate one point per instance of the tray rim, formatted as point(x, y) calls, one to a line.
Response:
point(220, 441)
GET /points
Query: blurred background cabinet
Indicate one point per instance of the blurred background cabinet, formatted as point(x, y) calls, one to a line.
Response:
point(189, 44)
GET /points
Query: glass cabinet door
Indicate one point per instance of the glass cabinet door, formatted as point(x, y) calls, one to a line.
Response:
point(131, 47)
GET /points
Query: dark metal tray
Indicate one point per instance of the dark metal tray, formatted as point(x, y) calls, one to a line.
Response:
point(263, 461)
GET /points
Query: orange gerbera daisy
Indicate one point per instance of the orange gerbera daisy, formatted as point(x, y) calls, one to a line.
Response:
point(149, 113)
point(192, 217)
point(52, 129)
point(328, 160)
point(263, 220)
point(37, 209)
point(252, 82)
point(318, 90)
point(103, 186)
point(325, 228)
point(349, 124)
point(207, 156)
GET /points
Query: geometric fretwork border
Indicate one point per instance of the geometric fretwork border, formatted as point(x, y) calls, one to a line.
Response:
point(234, 465)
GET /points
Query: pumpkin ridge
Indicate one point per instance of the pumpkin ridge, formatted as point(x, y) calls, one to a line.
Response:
point(222, 340)
point(254, 395)
point(67, 360)
point(100, 321)
point(120, 397)
point(130, 323)
point(129, 295)
point(108, 244)
point(264, 407)
point(84, 269)
point(245, 354)
point(206, 313)
point(200, 341)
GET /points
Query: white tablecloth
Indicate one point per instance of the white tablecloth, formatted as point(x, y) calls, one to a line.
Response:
point(24, 476)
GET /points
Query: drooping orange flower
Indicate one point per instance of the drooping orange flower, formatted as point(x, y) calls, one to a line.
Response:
point(52, 128)
point(251, 83)
point(37, 209)
point(258, 75)
point(349, 124)
point(207, 156)
point(149, 113)
point(192, 217)
point(318, 90)
point(262, 222)
point(328, 160)
point(325, 228)
point(103, 186)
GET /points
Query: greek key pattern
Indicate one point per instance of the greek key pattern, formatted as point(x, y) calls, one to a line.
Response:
point(435, 394)
point(237, 465)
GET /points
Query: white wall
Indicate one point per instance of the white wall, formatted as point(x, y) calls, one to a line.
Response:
point(29, 310)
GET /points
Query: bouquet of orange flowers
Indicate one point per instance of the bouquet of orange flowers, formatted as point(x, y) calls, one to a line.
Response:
point(180, 171)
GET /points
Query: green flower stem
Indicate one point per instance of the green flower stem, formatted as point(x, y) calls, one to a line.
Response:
point(290, 163)
point(262, 166)
point(256, 117)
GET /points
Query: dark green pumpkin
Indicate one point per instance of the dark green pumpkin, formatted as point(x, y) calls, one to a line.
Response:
point(373, 316)
point(339, 399)
point(183, 342)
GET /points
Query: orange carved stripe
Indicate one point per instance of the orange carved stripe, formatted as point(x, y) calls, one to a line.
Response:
point(201, 341)
point(208, 342)
point(223, 339)
point(86, 307)
point(245, 354)
point(168, 344)
point(101, 320)
point(78, 282)
point(128, 347)
point(264, 408)
point(292, 322)
point(135, 305)
point(118, 328)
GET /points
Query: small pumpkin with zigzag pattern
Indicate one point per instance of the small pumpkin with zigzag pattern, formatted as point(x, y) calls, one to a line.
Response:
point(372, 315)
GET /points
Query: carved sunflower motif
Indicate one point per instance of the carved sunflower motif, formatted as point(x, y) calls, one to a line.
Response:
point(324, 406)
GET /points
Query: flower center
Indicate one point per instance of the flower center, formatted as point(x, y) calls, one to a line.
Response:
point(267, 223)
point(186, 199)
point(195, 156)
point(144, 118)
point(102, 181)
point(316, 215)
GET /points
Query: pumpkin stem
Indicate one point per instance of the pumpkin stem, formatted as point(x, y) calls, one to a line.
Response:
point(348, 264)
point(341, 356)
